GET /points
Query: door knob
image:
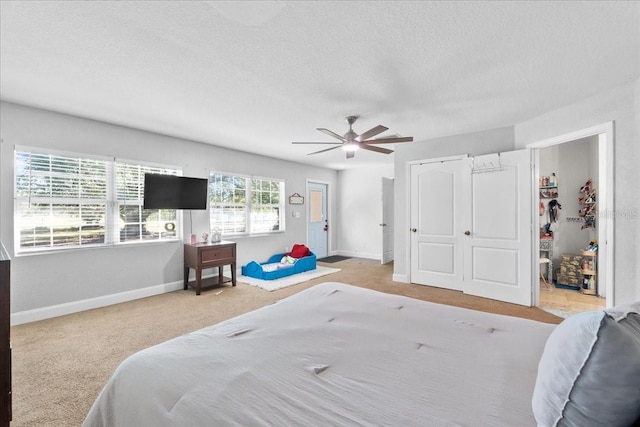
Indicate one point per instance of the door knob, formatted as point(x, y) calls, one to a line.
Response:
point(414, 229)
point(467, 233)
point(383, 225)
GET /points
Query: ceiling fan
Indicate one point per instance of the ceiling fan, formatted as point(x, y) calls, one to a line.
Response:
point(352, 142)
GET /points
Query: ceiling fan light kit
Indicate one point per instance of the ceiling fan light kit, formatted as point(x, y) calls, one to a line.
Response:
point(352, 142)
point(350, 146)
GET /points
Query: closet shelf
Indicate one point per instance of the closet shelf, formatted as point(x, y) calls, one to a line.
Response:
point(588, 200)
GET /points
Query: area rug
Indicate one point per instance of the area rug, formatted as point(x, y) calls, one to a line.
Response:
point(333, 258)
point(272, 285)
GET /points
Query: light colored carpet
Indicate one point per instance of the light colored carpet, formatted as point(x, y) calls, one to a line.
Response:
point(272, 285)
point(61, 364)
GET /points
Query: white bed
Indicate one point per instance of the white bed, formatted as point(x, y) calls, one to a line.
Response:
point(336, 355)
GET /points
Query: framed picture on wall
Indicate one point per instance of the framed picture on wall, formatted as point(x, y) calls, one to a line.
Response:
point(296, 199)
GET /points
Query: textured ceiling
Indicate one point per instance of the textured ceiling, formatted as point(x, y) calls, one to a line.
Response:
point(255, 76)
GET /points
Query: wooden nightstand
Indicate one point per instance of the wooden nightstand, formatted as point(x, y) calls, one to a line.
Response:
point(209, 255)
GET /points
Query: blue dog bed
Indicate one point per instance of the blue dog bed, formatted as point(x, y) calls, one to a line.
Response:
point(253, 269)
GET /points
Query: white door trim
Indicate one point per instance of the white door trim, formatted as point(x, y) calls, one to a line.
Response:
point(606, 141)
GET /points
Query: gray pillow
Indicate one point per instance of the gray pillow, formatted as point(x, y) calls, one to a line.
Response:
point(589, 372)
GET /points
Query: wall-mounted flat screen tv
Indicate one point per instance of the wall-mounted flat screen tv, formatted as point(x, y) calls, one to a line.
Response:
point(174, 192)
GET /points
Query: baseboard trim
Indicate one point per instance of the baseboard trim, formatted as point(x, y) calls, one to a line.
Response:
point(36, 314)
point(359, 255)
point(403, 278)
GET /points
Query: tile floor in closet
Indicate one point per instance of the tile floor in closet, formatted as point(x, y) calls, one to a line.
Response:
point(565, 302)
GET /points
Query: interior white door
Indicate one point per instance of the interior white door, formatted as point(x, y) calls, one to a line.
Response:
point(436, 212)
point(318, 222)
point(498, 234)
point(387, 220)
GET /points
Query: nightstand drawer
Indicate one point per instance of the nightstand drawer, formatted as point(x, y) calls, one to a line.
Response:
point(216, 254)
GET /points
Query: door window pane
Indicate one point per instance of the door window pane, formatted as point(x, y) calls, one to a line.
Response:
point(315, 206)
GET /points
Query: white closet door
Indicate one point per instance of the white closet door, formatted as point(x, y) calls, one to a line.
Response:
point(497, 248)
point(436, 212)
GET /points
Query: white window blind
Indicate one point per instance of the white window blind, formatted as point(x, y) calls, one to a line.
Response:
point(69, 201)
point(244, 205)
point(136, 223)
point(228, 203)
point(61, 201)
point(266, 205)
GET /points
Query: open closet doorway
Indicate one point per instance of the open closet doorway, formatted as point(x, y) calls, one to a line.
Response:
point(575, 240)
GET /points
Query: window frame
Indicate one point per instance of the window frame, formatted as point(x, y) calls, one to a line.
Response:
point(111, 232)
point(248, 205)
point(281, 205)
point(117, 203)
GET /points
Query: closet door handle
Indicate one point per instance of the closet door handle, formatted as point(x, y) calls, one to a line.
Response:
point(467, 233)
point(414, 229)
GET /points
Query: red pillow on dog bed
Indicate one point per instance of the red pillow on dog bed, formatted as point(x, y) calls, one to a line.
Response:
point(299, 251)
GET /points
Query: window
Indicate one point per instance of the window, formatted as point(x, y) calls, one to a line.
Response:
point(244, 205)
point(228, 203)
point(61, 201)
point(136, 223)
point(265, 205)
point(71, 201)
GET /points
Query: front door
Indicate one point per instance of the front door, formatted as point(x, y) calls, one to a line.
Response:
point(498, 234)
point(318, 221)
point(436, 212)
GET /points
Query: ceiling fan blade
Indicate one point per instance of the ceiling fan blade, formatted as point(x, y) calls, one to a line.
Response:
point(371, 132)
point(376, 149)
point(326, 149)
point(389, 140)
point(330, 133)
point(351, 154)
point(330, 143)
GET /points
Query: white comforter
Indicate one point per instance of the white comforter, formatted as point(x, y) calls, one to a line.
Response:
point(334, 355)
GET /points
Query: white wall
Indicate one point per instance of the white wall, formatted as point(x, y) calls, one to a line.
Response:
point(476, 143)
point(65, 278)
point(621, 105)
point(360, 211)
point(637, 142)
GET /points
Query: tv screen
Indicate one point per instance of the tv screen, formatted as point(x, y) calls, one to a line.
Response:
point(174, 192)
